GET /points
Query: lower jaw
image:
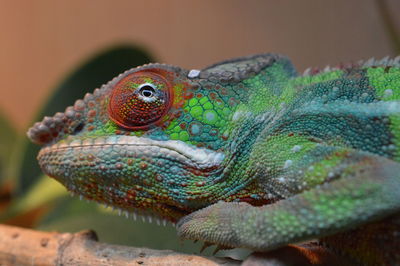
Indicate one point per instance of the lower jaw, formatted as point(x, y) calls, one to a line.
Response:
point(162, 213)
point(144, 216)
point(170, 216)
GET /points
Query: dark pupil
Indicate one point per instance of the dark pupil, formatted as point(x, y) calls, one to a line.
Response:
point(146, 91)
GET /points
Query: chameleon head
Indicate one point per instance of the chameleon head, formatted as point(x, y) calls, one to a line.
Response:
point(149, 141)
point(157, 139)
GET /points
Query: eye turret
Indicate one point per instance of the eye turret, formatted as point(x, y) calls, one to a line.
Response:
point(139, 100)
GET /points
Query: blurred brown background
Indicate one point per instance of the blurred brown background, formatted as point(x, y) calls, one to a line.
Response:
point(41, 41)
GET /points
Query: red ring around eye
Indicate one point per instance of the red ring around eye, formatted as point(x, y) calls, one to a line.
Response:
point(130, 109)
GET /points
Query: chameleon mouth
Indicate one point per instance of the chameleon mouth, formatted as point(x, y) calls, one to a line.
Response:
point(200, 158)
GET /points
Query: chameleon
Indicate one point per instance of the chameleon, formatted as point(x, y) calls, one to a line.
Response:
point(244, 153)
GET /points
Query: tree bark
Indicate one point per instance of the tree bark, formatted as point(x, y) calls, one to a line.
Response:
point(20, 246)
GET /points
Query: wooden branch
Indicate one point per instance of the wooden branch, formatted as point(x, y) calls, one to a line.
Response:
point(20, 246)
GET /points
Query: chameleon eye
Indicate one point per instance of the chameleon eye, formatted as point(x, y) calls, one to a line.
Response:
point(139, 100)
point(147, 90)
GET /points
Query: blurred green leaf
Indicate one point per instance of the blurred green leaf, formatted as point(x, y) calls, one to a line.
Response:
point(90, 75)
point(8, 137)
point(44, 193)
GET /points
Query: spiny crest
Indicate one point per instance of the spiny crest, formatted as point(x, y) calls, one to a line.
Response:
point(238, 69)
point(372, 62)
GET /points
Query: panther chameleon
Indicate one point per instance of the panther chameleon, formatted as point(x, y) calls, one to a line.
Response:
point(244, 153)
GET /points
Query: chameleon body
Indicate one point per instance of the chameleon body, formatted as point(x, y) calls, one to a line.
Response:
point(244, 153)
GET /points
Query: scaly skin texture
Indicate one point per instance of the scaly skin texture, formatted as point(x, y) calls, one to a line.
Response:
point(245, 153)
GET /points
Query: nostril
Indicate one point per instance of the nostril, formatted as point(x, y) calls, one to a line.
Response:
point(78, 128)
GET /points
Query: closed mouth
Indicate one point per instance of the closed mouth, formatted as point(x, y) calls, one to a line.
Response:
point(200, 158)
